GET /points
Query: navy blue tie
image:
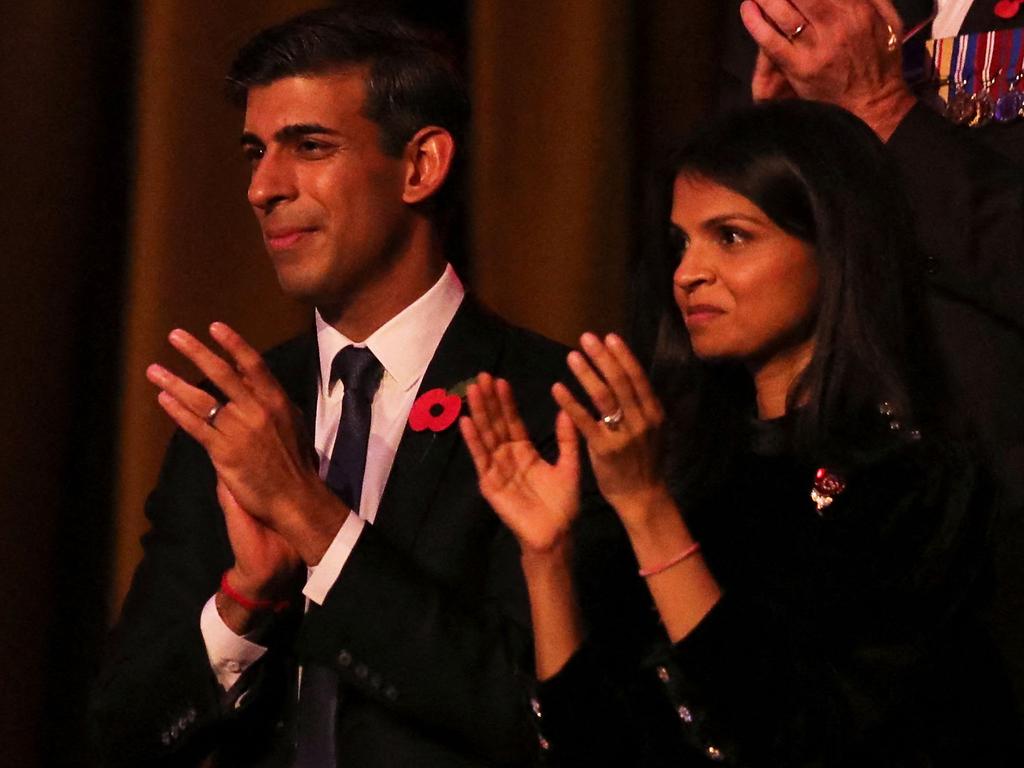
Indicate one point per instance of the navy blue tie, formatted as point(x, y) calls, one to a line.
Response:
point(360, 372)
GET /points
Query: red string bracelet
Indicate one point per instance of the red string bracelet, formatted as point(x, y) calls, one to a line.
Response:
point(250, 605)
point(690, 550)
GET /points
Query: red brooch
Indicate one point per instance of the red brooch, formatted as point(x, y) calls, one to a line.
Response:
point(1007, 9)
point(827, 485)
point(437, 409)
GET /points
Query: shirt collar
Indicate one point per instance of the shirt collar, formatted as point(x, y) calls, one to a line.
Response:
point(405, 344)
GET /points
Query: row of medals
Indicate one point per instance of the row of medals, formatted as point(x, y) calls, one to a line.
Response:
point(977, 109)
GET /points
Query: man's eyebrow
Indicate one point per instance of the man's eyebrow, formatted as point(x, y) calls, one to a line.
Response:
point(290, 133)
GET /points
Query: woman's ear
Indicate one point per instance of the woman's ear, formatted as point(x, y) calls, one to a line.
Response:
point(429, 155)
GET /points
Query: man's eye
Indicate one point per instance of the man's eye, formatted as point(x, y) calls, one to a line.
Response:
point(252, 154)
point(310, 147)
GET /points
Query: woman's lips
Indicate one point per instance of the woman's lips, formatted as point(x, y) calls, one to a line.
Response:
point(702, 313)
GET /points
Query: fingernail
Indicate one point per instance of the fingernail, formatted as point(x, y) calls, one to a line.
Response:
point(612, 338)
point(218, 328)
point(589, 340)
point(157, 372)
point(178, 336)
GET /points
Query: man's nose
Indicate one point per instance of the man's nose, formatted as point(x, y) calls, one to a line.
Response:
point(272, 182)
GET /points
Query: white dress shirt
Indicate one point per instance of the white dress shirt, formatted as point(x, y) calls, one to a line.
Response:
point(404, 346)
point(950, 18)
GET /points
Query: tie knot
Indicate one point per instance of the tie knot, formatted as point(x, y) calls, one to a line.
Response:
point(358, 370)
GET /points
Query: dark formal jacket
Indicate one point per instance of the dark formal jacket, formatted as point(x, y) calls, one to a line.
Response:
point(847, 636)
point(427, 625)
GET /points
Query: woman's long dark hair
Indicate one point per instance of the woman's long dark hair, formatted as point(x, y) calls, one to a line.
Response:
point(823, 176)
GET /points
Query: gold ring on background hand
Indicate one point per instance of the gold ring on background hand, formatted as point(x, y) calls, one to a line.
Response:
point(892, 42)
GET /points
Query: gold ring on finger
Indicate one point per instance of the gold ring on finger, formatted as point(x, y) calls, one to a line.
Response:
point(892, 42)
point(796, 32)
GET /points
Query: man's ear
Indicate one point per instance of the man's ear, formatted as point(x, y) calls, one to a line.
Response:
point(429, 156)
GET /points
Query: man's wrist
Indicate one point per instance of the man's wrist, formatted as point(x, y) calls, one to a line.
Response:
point(311, 521)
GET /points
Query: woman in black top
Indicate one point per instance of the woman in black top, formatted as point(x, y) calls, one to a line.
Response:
point(813, 542)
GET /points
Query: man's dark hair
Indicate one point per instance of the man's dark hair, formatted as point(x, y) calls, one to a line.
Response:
point(822, 176)
point(412, 80)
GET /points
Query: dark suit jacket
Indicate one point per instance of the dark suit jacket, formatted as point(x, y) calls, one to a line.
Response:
point(427, 626)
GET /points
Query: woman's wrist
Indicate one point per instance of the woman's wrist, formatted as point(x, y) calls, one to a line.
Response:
point(550, 560)
point(646, 510)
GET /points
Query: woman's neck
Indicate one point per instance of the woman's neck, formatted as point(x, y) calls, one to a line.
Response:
point(774, 379)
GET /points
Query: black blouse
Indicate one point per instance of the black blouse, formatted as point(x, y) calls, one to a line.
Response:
point(846, 636)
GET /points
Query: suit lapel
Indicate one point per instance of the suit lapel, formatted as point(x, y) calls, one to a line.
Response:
point(472, 343)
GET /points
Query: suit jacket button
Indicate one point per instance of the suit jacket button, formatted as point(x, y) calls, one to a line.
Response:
point(391, 693)
point(344, 659)
point(362, 671)
point(375, 681)
point(165, 739)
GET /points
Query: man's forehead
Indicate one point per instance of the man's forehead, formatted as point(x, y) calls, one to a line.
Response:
point(324, 98)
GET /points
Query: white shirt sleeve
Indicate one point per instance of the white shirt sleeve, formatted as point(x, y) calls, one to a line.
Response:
point(230, 654)
point(323, 575)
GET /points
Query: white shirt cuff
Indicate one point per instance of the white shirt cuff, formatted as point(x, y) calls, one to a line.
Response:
point(230, 654)
point(323, 575)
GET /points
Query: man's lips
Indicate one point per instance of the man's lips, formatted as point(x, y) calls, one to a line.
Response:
point(282, 238)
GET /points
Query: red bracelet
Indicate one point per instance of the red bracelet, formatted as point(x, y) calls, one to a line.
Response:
point(251, 605)
point(690, 550)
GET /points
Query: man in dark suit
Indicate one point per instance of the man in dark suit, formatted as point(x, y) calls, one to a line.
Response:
point(969, 208)
point(358, 604)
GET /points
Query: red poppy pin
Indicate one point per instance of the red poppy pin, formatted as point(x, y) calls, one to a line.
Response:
point(1007, 9)
point(437, 409)
point(827, 485)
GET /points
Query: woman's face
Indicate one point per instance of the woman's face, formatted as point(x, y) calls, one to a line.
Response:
point(747, 289)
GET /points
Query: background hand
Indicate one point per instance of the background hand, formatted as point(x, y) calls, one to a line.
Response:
point(535, 499)
point(843, 54)
point(626, 457)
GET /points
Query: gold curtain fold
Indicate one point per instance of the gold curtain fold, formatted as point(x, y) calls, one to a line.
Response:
point(551, 186)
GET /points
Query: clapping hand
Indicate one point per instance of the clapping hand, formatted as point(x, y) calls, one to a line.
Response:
point(625, 445)
point(258, 448)
point(535, 499)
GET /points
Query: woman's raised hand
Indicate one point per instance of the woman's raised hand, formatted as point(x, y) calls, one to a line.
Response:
point(535, 499)
point(625, 445)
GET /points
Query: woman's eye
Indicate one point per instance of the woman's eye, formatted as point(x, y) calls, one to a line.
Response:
point(732, 236)
point(678, 241)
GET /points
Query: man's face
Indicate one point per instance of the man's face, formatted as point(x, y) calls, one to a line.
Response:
point(328, 200)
